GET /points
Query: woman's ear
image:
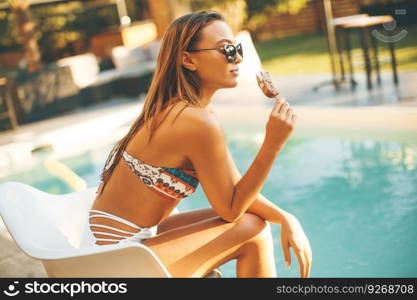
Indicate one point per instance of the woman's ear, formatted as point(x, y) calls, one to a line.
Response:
point(187, 61)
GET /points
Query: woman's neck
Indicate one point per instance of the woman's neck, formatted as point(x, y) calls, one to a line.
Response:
point(207, 96)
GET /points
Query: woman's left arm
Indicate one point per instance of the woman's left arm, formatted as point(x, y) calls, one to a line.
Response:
point(268, 211)
point(261, 207)
point(292, 234)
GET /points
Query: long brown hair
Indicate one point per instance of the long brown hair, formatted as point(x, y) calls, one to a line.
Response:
point(170, 81)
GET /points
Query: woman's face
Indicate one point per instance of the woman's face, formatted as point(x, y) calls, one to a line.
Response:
point(212, 67)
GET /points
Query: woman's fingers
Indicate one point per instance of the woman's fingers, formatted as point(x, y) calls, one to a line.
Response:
point(308, 263)
point(302, 263)
point(290, 114)
point(293, 118)
point(292, 236)
point(283, 110)
point(310, 258)
point(304, 260)
point(277, 106)
point(280, 104)
point(286, 250)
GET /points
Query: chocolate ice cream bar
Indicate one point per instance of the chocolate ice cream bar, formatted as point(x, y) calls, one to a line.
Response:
point(265, 83)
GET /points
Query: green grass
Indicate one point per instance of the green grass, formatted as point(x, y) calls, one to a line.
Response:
point(309, 54)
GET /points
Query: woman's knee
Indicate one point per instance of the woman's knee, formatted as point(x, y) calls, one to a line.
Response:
point(251, 224)
point(259, 230)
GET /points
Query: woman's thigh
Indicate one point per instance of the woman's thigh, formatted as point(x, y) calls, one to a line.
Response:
point(185, 218)
point(193, 250)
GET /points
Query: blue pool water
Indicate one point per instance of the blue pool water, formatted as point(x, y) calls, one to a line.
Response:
point(356, 198)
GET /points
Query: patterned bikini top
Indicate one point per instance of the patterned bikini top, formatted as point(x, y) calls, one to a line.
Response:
point(173, 183)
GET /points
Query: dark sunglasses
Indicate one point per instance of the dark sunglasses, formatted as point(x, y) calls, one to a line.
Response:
point(230, 51)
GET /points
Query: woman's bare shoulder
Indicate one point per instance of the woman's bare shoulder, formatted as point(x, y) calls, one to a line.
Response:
point(195, 123)
point(197, 116)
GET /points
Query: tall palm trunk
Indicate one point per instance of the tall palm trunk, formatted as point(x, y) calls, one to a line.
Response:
point(26, 31)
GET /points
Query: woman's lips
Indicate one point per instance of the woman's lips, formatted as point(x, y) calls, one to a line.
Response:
point(235, 72)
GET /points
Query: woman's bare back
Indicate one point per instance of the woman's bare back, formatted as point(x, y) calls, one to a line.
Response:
point(125, 195)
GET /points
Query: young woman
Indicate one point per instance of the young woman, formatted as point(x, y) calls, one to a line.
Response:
point(177, 142)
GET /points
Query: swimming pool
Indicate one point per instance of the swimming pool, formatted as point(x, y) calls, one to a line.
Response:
point(354, 194)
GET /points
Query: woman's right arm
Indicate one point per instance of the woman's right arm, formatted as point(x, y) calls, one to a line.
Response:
point(207, 149)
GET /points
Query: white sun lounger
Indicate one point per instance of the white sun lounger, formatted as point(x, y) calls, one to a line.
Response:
point(50, 228)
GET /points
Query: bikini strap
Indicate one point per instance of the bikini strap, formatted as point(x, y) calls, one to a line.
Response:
point(113, 217)
point(111, 234)
point(107, 240)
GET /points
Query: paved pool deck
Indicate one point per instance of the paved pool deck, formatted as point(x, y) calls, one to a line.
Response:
point(384, 108)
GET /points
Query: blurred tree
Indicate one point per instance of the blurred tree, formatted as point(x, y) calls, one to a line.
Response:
point(66, 28)
point(138, 10)
point(259, 11)
point(26, 29)
point(234, 11)
point(62, 28)
point(248, 13)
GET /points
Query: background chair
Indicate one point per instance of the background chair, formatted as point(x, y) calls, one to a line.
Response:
point(50, 228)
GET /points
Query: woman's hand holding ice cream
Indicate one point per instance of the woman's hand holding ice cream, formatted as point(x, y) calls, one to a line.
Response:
point(282, 118)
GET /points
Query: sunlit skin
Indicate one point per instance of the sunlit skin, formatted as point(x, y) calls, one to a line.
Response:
point(191, 244)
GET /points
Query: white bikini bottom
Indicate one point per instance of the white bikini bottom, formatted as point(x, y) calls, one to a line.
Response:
point(139, 236)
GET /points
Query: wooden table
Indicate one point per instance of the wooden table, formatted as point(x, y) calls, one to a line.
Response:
point(337, 23)
point(364, 24)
